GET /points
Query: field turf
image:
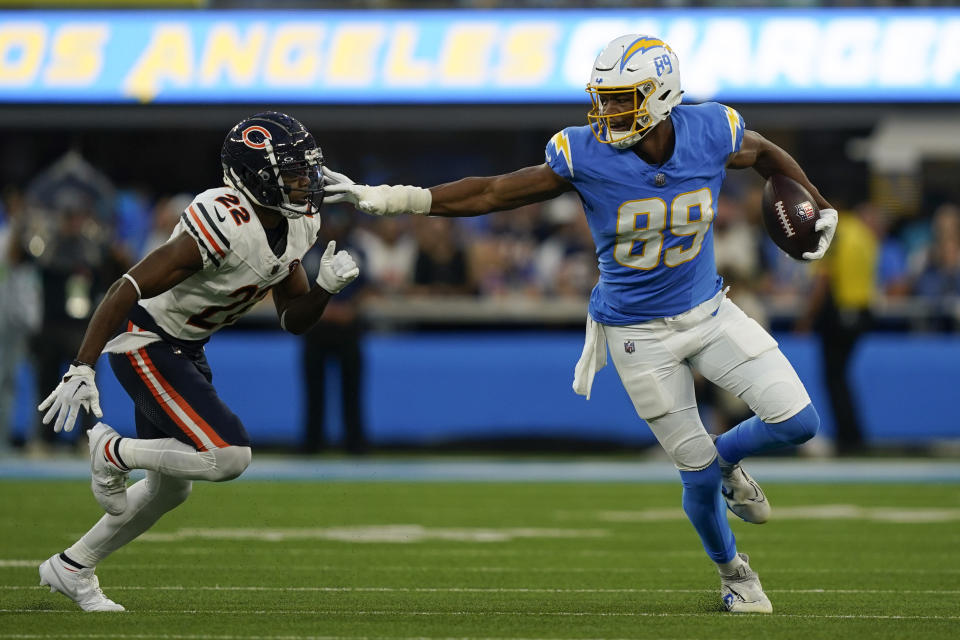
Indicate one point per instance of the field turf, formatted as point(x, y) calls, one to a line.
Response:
point(257, 559)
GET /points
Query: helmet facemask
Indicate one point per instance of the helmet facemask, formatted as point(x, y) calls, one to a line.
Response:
point(643, 66)
point(603, 124)
point(302, 178)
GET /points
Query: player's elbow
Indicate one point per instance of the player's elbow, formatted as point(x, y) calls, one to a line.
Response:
point(229, 463)
point(295, 330)
point(291, 322)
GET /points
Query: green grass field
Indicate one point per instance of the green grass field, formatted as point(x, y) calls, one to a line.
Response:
point(278, 560)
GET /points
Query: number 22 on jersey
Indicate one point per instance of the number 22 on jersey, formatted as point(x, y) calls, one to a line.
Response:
point(650, 235)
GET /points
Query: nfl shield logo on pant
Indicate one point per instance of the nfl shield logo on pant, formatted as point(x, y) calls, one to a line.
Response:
point(628, 346)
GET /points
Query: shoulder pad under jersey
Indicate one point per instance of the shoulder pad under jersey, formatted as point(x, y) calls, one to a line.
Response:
point(214, 219)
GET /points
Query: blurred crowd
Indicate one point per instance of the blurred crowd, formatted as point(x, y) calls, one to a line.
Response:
point(69, 232)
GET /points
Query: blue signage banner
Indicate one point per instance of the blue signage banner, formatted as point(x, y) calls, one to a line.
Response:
point(510, 56)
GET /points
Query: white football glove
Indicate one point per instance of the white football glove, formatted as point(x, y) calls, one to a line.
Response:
point(331, 177)
point(337, 269)
point(385, 200)
point(77, 390)
point(827, 226)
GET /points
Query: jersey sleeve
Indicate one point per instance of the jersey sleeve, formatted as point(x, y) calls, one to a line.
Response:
point(559, 155)
point(206, 225)
point(730, 134)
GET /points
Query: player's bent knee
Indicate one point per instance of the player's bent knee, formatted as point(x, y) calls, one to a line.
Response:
point(781, 399)
point(230, 462)
point(800, 427)
point(683, 438)
point(178, 492)
point(694, 454)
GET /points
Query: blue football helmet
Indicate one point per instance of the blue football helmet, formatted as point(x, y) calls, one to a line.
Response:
point(273, 160)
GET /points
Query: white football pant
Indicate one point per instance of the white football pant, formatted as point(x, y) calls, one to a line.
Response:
point(656, 360)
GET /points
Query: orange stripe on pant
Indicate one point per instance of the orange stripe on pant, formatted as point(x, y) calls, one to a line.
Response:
point(163, 405)
point(181, 402)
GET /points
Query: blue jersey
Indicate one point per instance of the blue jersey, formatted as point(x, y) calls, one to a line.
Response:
point(652, 225)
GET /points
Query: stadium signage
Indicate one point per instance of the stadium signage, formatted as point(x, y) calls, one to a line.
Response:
point(534, 56)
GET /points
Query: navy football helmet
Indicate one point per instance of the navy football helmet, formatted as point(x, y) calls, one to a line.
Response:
point(273, 160)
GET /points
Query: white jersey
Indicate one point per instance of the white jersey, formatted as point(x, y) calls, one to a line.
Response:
point(239, 267)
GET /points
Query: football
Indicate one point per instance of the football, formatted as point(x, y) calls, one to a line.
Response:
point(789, 216)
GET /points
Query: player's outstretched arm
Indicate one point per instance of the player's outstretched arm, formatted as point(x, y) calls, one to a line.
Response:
point(467, 197)
point(767, 159)
point(160, 270)
point(477, 196)
point(298, 306)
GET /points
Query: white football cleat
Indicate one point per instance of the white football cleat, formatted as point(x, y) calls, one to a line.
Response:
point(742, 593)
point(80, 585)
point(108, 483)
point(743, 495)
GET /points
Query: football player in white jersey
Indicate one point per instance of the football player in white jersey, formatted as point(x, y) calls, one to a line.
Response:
point(232, 246)
point(648, 171)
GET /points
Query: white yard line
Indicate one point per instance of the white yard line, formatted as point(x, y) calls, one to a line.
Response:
point(482, 589)
point(899, 515)
point(479, 613)
point(380, 533)
point(493, 569)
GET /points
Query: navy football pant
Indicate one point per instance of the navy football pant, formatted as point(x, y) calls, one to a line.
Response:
point(174, 398)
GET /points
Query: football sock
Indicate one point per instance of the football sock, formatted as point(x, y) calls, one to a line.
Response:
point(165, 455)
point(147, 500)
point(730, 568)
point(174, 458)
point(706, 509)
point(66, 560)
point(753, 436)
point(111, 453)
point(115, 449)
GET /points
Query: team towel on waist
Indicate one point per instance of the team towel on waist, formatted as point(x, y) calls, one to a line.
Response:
point(132, 340)
point(593, 358)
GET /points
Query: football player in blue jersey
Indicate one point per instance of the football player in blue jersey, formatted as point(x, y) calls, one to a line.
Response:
point(648, 171)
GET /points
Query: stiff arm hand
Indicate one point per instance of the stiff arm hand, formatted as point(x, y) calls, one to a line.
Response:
point(384, 200)
point(77, 390)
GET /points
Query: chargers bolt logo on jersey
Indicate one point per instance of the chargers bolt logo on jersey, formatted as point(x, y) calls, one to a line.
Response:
point(255, 137)
point(561, 143)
